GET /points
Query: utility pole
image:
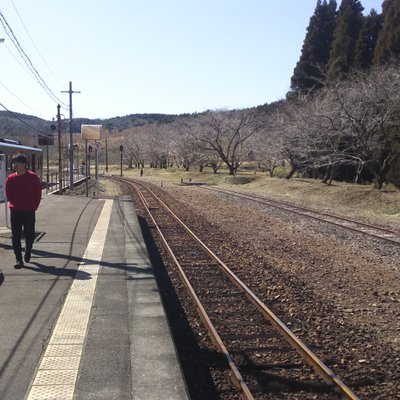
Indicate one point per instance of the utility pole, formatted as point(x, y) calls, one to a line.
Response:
point(59, 150)
point(71, 150)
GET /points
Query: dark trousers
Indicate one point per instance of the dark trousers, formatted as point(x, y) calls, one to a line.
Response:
point(22, 220)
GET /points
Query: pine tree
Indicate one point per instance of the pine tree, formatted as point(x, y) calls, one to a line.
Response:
point(388, 45)
point(349, 23)
point(367, 40)
point(310, 70)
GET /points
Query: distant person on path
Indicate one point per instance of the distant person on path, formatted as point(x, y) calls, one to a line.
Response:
point(24, 193)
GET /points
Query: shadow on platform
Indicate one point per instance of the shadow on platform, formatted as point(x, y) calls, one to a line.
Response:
point(63, 271)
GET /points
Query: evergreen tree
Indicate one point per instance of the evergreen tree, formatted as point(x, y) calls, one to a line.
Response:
point(388, 45)
point(349, 23)
point(367, 40)
point(310, 69)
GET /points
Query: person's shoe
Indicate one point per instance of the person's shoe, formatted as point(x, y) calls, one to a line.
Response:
point(27, 256)
point(18, 264)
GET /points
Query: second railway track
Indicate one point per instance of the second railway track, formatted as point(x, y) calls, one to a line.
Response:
point(374, 231)
point(265, 358)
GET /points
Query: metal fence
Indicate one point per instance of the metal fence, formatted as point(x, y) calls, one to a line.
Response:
point(52, 181)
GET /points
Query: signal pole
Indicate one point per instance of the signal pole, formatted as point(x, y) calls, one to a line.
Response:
point(106, 155)
point(121, 150)
point(71, 150)
point(60, 171)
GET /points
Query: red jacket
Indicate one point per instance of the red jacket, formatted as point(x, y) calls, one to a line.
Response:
point(23, 191)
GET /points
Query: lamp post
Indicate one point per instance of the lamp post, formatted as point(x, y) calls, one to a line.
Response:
point(121, 150)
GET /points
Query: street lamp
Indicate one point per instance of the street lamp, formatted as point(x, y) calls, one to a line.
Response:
point(121, 149)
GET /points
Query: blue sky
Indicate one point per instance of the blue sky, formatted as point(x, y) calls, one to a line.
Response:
point(136, 56)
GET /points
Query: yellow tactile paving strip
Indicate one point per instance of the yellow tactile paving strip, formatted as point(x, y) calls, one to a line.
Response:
point(58, 370)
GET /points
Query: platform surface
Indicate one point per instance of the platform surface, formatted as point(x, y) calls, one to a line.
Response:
point(122, 347)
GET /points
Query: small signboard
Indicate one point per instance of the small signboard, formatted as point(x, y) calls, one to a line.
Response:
point(91, 132)
point(46, 140)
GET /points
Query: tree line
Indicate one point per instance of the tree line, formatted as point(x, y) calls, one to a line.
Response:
point(343, 107)
point(339, 41)
point(341, 119)
point(12, 127)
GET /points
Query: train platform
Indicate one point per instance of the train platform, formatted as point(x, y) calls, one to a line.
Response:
point(83, 319)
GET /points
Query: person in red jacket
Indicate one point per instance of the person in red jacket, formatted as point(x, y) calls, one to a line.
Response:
point(24, 193)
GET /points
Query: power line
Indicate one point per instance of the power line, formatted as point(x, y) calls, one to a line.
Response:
point(20, 119)
point(34, 44)
point(24, 67)
point(21, 101)
point(27, 60)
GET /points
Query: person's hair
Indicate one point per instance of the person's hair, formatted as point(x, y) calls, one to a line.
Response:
point(20, 158)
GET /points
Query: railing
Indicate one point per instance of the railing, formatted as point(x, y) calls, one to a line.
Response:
point(52, 180)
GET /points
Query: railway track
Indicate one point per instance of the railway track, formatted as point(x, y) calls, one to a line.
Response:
point(264, 356)
point(374, 231)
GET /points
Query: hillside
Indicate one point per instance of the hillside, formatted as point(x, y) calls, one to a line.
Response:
point(12, 127)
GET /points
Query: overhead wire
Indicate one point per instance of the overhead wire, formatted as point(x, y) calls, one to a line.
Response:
point(34, 44)
point(21, 101)
point(28, 61)
point(26, 70)
point(24, 67)
point(21, 120)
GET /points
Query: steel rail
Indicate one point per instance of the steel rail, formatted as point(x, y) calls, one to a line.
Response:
point(320, 368)
point(236, 376)
point(298, 210)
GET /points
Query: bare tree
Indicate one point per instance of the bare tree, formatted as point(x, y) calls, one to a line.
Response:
point(225, 134)
point(289, 124)
point(370, 106)
point(134, 151)
point(267, 149)
point(214, 161)
point(186, 151)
